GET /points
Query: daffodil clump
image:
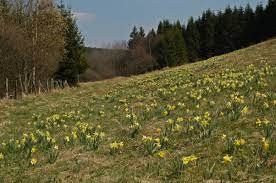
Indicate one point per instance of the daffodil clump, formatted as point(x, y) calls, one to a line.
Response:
point(116, 147)
point(188, 159)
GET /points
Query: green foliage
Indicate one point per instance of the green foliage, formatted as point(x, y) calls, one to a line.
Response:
point(74, 61)
point(192, 37)
point(170, 50)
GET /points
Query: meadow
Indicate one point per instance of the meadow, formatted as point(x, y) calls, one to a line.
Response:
point(211, 121)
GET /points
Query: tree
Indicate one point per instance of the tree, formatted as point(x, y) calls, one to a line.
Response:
point(192, 37)
point(133, 38)
point(270, 18)
point(170, 49)
point(207, 34)
point(142, 32)
point(150, 40)
point(73, 62)
point(248, 32)
point(259, 21)
point(31, 42)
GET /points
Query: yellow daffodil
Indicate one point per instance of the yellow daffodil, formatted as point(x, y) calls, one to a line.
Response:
point(239, 142)
point(188, 159)
point(1, 156)
point(56, 147)
point(265, 144)
point(180, 119)
point(33, 150)
point(227, 159)
point(244, 110)
point(161, 154)
point(33, 161)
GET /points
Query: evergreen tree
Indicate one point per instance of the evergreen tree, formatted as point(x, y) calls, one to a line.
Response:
point(133, 38)
point(160, 29)
point(259, 21)
point(150, 40)
point(171, 49)
point(164, 26)
point(192, 37)
point(142, 32)
point(237, 27)
point(248, 32)
point(270, 18)
point(207, 34)
point(178, 25)
point(74, 61)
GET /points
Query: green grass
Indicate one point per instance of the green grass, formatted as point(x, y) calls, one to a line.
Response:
point(176, 112)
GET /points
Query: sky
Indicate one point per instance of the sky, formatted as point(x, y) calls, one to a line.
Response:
point(105, 21)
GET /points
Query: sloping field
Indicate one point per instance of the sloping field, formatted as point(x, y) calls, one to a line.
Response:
point(204, 122)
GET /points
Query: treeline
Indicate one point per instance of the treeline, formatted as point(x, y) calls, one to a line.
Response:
point(210, 35)
point(39, 42)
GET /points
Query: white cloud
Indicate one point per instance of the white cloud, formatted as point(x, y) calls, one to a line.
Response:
point(84, 16)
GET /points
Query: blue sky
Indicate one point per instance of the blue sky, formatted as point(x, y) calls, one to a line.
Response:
point(105, 21)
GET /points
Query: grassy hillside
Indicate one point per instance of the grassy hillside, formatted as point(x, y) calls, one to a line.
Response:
point(209, 121)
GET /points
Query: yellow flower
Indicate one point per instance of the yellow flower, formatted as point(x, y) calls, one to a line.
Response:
point(266, 122)
point(197, 118)
point(223, 136)
point(34, 161)
point(265, 144)
point(116, 145)
point(227, 159)
point(86, 136)
point(266, 106)
point(75, 136)
point(1, 156)
point(33, 150)
point(56, 147)
point(158, 130)
point(121, 144)
point(187, 159)
point(161, 154)
point(244, 110)
point(258, 122)
point(146, 139)
point(178, 128)
point(239, 142)
point(242, 141)
point(180, 119)
point(102, 134)
point(191, 127)
point(165, 113)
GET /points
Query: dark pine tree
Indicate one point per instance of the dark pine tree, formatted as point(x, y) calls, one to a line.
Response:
point(192, 37)
point(259, 22)
point(133, 38)
point(142, 32)
point(74, 61)
point(248, 32)
point(270, 18)
point(170, 49)
point(207, 34)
